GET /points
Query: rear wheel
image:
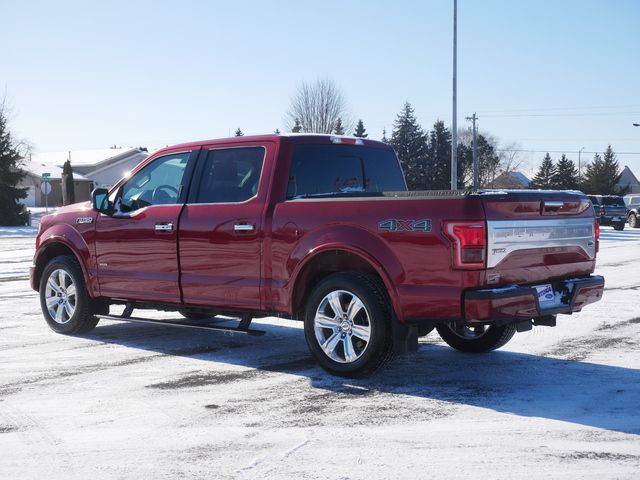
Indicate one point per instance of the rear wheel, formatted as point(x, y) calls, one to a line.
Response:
point(478, 339)
point(633, 221)
point(347, 324)
point(64, 298)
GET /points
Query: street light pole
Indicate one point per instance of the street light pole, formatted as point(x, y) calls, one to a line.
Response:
point(454, 122)
point(579, 169)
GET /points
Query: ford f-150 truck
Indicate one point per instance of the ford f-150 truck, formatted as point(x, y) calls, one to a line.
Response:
point(320, 229)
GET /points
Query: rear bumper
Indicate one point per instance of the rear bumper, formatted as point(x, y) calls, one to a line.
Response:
point(521, 302)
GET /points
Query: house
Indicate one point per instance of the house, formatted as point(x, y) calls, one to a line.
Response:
point(91, 168)
point(33, 179)
point(511, 180)
point(628, 179)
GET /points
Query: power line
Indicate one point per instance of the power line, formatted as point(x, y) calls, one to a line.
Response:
point(558, 151)
point(542, 109)
point(592, 114)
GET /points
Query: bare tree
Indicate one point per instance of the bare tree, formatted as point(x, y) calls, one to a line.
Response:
point(317, 107)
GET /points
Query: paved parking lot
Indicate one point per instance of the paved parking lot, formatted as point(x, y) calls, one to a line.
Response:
point(142, 401)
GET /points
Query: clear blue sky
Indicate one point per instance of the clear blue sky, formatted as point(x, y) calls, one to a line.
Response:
point(83, 75)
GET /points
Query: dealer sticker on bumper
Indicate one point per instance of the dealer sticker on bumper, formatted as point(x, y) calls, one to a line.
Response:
point(546, 297)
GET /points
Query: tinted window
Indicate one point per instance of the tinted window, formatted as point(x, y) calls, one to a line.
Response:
point(230, 175)
point(326, 169)
point(595, 200)
point(158, 183)
point(613, 201)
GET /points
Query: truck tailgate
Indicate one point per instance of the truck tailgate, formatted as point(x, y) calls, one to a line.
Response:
point(535, 236)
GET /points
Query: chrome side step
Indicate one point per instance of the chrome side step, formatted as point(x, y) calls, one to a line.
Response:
point(243, 327)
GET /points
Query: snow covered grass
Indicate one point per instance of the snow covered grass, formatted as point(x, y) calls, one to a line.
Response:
point(141, 401)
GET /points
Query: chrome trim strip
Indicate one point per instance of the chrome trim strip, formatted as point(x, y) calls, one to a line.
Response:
point(507, 236)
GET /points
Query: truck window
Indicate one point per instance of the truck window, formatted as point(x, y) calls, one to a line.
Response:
point(230, 175)
point(330, 169)
point(613, 201)
point(158, 183)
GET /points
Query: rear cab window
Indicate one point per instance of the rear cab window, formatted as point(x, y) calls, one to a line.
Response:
point(230, 175)
point(343, 170)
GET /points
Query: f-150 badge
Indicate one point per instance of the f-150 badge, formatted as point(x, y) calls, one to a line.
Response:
point(84, 220)
point(395, 225)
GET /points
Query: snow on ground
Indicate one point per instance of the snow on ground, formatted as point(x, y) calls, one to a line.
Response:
point(142, 401)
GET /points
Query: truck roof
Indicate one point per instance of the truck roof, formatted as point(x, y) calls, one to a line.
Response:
point(298, 137)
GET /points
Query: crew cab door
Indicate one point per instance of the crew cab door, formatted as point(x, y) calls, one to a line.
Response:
point(136, 247)
point(221, 228)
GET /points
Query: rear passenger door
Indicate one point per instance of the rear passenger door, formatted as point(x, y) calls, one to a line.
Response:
point(221, 228)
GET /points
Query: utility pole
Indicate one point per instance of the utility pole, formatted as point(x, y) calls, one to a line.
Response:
point(454, 122)
point(476, 170)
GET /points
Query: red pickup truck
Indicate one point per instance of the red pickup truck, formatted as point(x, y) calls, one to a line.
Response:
point(321, 229)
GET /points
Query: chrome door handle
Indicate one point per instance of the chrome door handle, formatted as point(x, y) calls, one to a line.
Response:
point(164, 227)
point(243, 227)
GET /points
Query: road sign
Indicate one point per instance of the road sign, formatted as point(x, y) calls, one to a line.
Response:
point(46, 177)
point(45, 188)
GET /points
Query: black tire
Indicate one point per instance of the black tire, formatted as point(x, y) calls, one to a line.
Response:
point(619, 227)
point(194, 315)
point(81, 321)
point(633, 221)
point(424, 331)
point(375, 316)
point(492, 337)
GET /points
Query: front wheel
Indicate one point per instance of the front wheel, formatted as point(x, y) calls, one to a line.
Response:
point(64, 298)
point(477, 339)
point(619, 227)
point(633, 221)
point(347, 324)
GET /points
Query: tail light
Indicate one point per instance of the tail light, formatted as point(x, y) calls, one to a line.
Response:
point(469, 241)
point(596, 230)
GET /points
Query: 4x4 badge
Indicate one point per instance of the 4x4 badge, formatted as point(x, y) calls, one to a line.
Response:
point(395, 225)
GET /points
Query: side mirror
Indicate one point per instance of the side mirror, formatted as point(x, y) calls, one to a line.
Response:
point(100, 201)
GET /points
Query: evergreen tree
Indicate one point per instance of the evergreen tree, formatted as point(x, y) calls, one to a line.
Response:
point(465, 165)
point(239, 133)
point(603, 175)
point(339, 128)
point(566, 176)
point(384, 138)
point(488, 162)
point(277, 131)
point(410, 143)
point(12, 212)
point(360, 130)
point(68, 187)
point(545, 178)
point(297, 127)
point(438, 166)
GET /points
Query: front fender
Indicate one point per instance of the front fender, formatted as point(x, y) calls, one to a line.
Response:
point(358, 241)
point(66, 235)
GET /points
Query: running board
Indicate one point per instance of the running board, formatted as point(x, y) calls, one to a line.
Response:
point(169, 323)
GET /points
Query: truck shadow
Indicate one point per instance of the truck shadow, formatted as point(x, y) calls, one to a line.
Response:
point(521, 384)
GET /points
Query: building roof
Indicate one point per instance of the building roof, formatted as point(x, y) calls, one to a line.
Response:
point(626, 172)
point(511, 180)
point(38, 168)
point(83, 158)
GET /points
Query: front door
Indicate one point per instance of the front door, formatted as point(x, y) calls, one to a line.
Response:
point(221, 228)
point(136, 247)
